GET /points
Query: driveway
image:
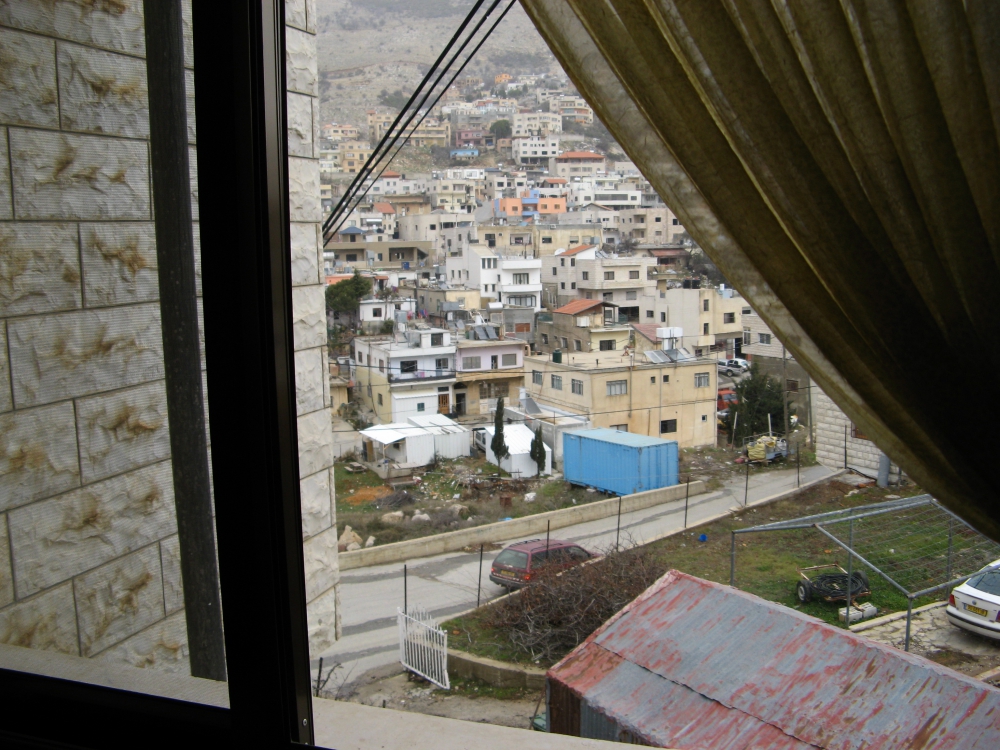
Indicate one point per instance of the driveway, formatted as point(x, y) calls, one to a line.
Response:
point(447, 584)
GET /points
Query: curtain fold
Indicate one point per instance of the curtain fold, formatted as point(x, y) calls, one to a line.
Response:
point(840, 163)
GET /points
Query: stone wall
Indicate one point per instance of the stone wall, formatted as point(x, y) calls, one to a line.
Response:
point(89, 555)
point(829, 425)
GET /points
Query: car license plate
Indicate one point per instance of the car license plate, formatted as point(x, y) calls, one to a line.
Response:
point(508, 574)
point(976, 610)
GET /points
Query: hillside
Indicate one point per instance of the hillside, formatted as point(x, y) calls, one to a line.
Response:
point(366, 46)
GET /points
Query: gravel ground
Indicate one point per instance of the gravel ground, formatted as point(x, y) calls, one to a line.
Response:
point(932, 636)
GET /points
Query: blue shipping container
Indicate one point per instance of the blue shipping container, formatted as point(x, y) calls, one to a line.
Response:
point(619, 462)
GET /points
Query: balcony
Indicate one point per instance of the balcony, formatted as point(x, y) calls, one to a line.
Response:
point(406, 377)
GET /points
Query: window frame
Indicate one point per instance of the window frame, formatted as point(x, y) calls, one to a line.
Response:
point(616, 387)
point(239, 52)
point(555, 382)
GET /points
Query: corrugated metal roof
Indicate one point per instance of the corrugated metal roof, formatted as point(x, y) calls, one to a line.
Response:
point(621, 438)
point(393, 432)
point(694, 664)
point(437, 423)
point(580, 305)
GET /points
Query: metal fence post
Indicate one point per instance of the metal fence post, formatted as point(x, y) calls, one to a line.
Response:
point(406, 608)
point(951, 530)
point(687, 494)
point(618, 530)
point(909, 618)
point(850, 573)
point(732, 559)
point(798, 465)
point(479, 587)
point(746, 489)
point(845, 446)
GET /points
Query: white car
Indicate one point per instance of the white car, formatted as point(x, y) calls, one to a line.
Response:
point(975, 605)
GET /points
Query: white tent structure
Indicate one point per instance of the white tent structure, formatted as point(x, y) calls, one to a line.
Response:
point(451, 440)
point(401, 446)
point(518, 438)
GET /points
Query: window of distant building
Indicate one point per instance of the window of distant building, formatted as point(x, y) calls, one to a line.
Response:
point(746, 337)
point(728, 317)
point(420, 406)
point(633, 274)
point(701, 380)
point(576, 386)
point(536, 377)
point(668, 425)
point(607, 345)
point(408, 365)
point(609, 275)
point(617, 387)
point(586, 275)
point(545, 338)
point(379, 399)
point(704, 329)
point(472, 363)
point(763, 338)
point(557, 382)
point(508, 360)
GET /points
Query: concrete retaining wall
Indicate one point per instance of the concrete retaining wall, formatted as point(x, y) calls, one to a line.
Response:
point(493, 672)
point(452, 541)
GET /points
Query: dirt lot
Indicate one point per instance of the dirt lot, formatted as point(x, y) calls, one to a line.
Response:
point(450, 495)
point(468, 700)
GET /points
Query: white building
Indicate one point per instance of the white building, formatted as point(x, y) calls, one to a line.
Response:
point(518, 439)
point(535, 123)
point(406, 375)
point(535, 150)
point(372, 313)
point(514, 280)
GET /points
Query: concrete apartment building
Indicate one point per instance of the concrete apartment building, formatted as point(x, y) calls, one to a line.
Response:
point(363, 253)
point(711, 319)
point(513, 279)
point(650, 225)
point(580, 164)
point(352, 155)
point(629, 392)
point(535, 150)
point(582, 326)
point(406, 374)
point(549, 237)
point(90, 559)
point(488, 370)
point(535, 124)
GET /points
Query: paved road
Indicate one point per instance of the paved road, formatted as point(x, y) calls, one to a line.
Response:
point(446, 584)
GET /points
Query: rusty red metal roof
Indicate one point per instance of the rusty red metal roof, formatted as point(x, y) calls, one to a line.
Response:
point(694, 664)
point(581, 305)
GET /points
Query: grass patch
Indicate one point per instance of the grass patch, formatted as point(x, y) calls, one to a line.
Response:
point(766, 564)
point(470, 687)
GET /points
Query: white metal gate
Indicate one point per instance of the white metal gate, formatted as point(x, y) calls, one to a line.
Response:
point(423, 646)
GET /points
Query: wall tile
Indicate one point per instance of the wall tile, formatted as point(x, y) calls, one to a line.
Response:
point(311, 16)
point(173, 585)
point(39, 268)
point(317, 514)
point(322, 620)
point(84, 352)
point(315, 128)
point(115, 25)
point(303, 190)
point(6, 202)
point(60, 176)
point(28, 80)
point(102, 92)
point(6, 574)
point(47, 621)
point(188, 33)
point(309, 316)
point(119, 263)
point(56, 539)
point(321, 567)
point(305, 254)
point(309, 380)
point(6, 399)
point(300, 125)
point(315, 442)
point(295, 13)
point(118, 600)
point(122, 430)
point(300, 62)
point(38, 454)
point(162, 647)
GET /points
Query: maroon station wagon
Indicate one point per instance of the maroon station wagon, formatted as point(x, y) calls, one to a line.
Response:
point(515, 565)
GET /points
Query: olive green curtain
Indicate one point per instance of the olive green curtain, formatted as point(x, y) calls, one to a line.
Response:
point(839, 162)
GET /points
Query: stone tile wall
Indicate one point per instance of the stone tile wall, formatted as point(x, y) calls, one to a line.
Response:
point(830, 423)
point(89, 554)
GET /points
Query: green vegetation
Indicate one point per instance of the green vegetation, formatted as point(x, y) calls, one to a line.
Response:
point(759, 404)
point(766, 565)
point(345, 295)
point(501, 129)
point(537, 450)
point(396, 99)
point(499, 445)
point(472, 688)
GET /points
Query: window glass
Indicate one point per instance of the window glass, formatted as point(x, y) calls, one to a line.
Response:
point(988, 583)
point(407, 365)
point(701, 380)
point(472, 363)
point(617, 387)
point(536, 377)
point(557, 382)
point(508, 360)
point(513, 558)
point(577, 387)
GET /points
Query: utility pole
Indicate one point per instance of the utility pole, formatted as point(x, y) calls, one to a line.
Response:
point(784, 388)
